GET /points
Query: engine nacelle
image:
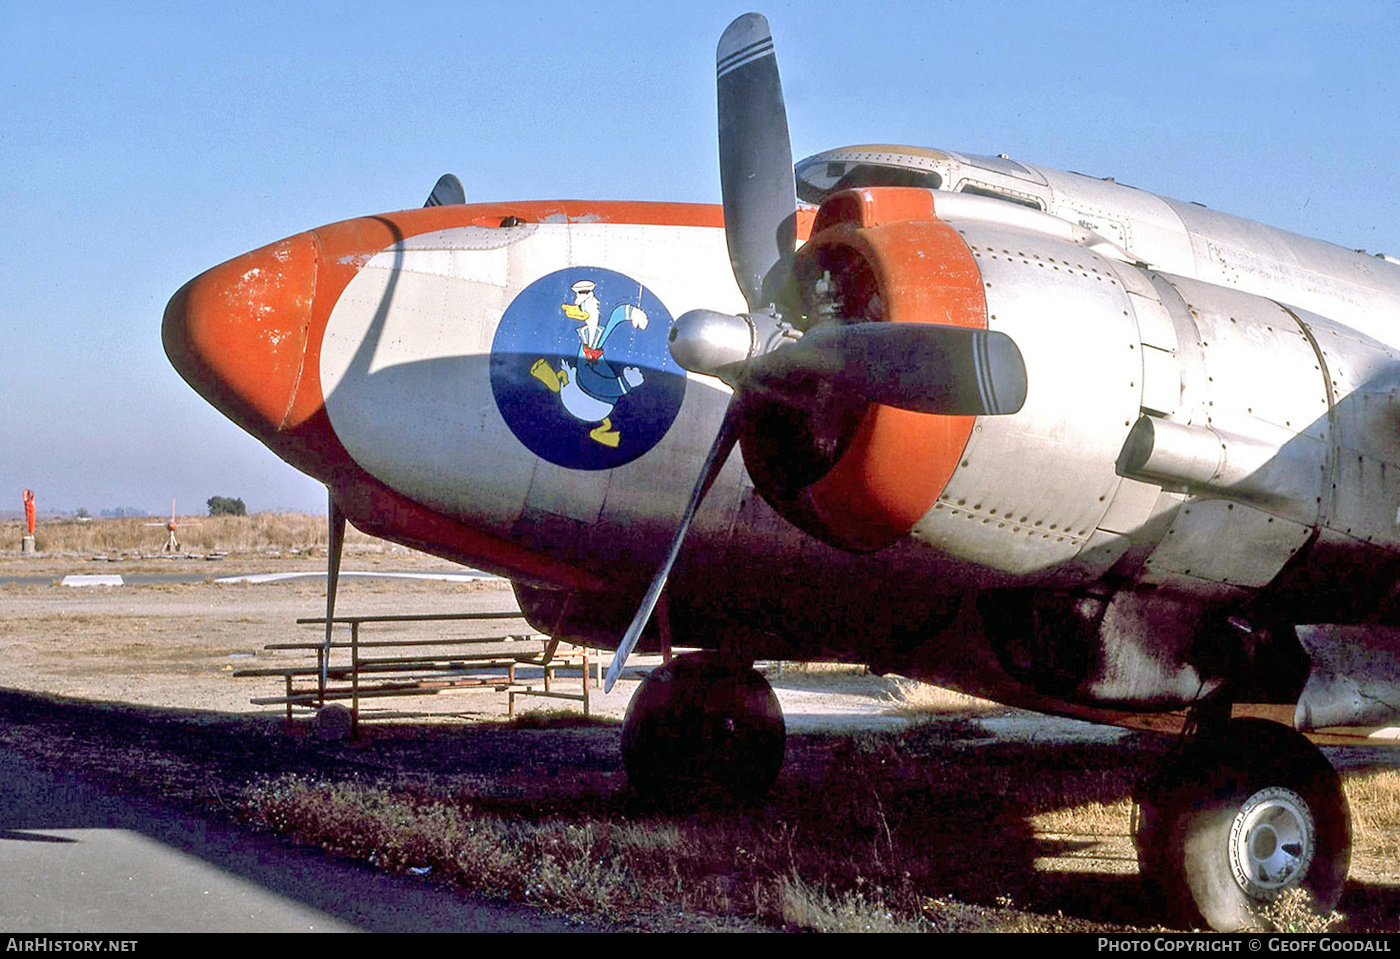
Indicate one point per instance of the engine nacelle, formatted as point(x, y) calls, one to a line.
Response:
point(1235, 453)
point(1021, 493)
point(1200, 434)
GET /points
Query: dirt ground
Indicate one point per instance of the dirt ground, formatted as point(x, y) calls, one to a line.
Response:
point(177, 644)
point(135, 686)
point(180, 644)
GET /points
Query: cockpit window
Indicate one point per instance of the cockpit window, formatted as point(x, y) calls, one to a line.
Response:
point(1001, 163)
point(816, 181)
point(974, 190)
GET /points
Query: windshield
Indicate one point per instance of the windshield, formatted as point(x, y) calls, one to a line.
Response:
point(817, 179)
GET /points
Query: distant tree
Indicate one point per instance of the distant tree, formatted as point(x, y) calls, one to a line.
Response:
point(225, 506)
point(83, 513)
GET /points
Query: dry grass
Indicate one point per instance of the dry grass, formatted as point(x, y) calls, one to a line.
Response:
point(869, 833)
point(819, 669)
point(556, 863)
point(1086, 819)
point(913, 698)
point(920, 830)
point(1375, 812)
point(924, 829)
point(1295, 911)
point(261, 532)
point(574, 863)
point(804, 907)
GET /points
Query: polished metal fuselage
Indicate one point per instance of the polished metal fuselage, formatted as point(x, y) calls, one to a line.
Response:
point(1136, 315)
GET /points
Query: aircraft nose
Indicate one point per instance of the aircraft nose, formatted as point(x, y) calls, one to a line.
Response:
point(237, 333)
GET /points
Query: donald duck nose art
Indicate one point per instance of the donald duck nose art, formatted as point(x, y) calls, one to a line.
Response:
point(600, 387)
point(591, 387)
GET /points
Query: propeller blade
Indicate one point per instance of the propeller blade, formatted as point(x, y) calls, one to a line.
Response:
point(335, 544)
point(719, 452)
point(922, 367)
point(447, 192)
point(755, 162)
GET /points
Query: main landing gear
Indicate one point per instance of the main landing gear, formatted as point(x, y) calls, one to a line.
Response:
point(1237, 817)
point(703, 728)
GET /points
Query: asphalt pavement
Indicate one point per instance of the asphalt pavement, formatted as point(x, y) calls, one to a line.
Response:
point(76, 859)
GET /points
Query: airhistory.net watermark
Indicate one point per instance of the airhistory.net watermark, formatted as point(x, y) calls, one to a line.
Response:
point(68, 944)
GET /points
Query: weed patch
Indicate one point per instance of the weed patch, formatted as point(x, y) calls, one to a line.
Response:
point(861, 834)
point(910, 697)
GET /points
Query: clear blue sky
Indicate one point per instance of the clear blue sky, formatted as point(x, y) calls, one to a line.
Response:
point(141, 143)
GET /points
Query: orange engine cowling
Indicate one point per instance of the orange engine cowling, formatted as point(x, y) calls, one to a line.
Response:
point(859, 475)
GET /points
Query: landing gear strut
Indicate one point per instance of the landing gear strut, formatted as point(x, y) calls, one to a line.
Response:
point(702, 728)
point(1234, 820)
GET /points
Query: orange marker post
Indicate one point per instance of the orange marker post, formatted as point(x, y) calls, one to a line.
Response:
point(27, 542)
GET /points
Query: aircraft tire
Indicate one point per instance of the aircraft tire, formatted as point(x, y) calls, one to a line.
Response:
point(701, 730)
point(1227, 826)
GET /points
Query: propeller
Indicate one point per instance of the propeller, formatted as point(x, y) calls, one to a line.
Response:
point(759, 195)
point(447, 192)
point(922, 367)
point(927, 368)
point(755, 162)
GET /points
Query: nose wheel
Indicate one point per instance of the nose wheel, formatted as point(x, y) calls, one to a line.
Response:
point(703, 729)
point(1228, 825)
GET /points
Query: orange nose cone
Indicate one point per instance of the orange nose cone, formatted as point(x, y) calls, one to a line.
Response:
point(237, 333)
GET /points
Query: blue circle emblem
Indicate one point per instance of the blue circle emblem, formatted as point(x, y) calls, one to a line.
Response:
point(581, 371)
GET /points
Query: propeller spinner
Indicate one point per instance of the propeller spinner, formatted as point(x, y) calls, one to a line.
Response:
point(763, 355)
